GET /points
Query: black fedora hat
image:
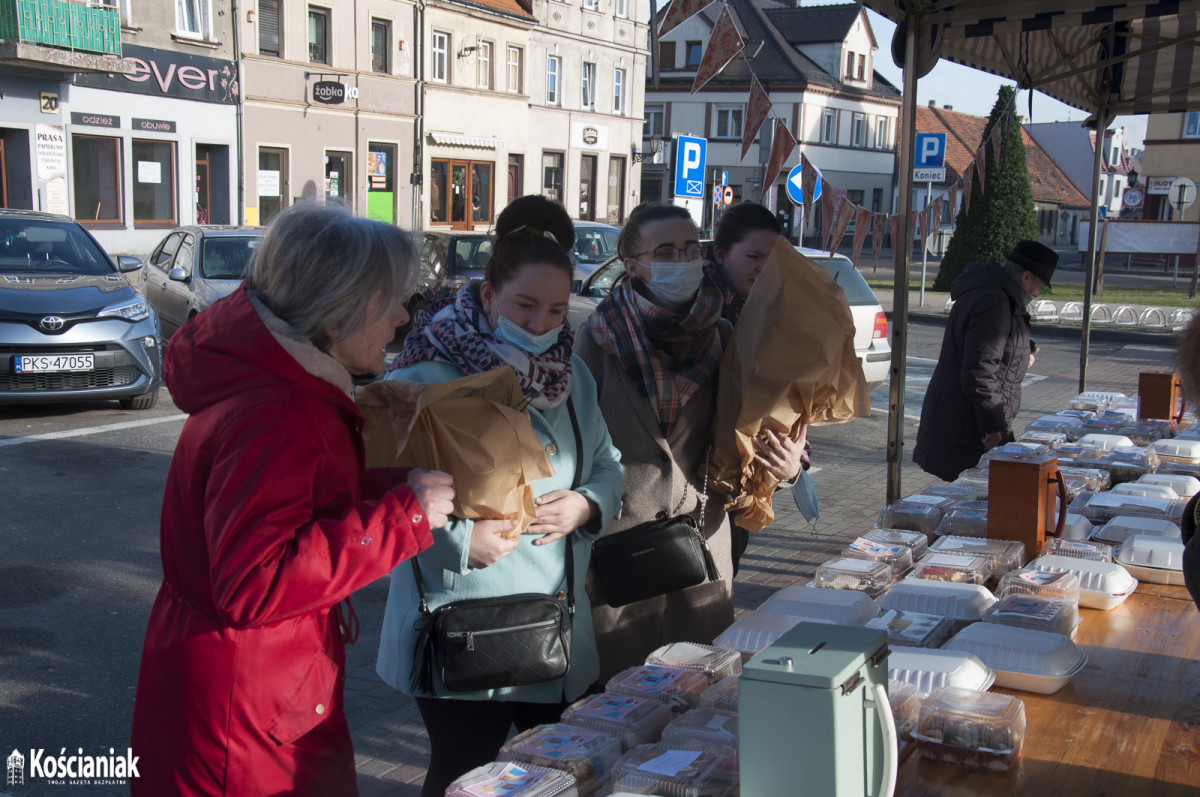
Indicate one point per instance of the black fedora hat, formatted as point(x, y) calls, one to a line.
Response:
point(1036, 258)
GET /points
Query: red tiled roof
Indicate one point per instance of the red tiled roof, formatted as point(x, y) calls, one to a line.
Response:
point(507, 6)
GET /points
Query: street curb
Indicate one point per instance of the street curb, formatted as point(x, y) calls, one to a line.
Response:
point(1097, 333)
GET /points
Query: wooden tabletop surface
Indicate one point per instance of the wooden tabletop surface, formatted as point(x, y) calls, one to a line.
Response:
point(1128, 724)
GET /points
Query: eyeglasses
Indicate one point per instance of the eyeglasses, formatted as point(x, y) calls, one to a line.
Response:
point(667, 252)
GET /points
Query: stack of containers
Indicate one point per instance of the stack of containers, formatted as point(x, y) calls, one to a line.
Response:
point(675, 687)
point(588, 756)
point(631, 720)
point(915, 541)
point(898, 557)
point(658, 769)
point(1069, 426)
point(1002, 555)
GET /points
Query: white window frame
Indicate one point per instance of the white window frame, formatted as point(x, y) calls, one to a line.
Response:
point(882, 129)
point(619, 92)
point(829, 126)
point(724, 120)
point(328, 14)
point(622, 10)
point(858, 130)
point(1191, 124)
point(483, 65)
point(193, 19)
point(655, 113)
point(591, 5)
point(587, 86)
point(439, 61)
point(553, 80)
point(513, 68)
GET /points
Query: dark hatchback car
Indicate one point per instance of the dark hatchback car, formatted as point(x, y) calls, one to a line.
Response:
point(448, 260)
point(72, 328)
point(194, 266)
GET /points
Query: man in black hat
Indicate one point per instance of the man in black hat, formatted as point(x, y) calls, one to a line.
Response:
point(975, 391)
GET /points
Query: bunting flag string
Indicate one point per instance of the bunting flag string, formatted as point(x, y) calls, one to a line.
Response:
point(679, 12)
point(723, 45)
point(757, 110)
point(843, 215)
point(862, 220)
point(878, 228)
point(782, 145)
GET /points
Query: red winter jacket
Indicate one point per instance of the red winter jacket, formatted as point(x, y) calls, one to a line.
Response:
point(268, 521)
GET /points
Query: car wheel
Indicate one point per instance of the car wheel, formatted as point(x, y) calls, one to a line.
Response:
point(142, 402)
point(415, 307)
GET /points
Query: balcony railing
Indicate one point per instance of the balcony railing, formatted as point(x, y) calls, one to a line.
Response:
point(76, 26)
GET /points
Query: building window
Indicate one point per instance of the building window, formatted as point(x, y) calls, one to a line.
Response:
point(483, 65)
point(318, 35)
point(439, 202)
point(877, 200)
point(623, 9)
point(193, 18)
point(439, 69)
point(153, 183)
point(729, 121)
point(552, 175)
point(862, 67)
point(273, 184)
point(694, 52)
point(619, 91)
point(616, 191)
point(96, 169)
point(587, 86)
point(515, 57)
point(460, 192)
point(666, 55)
point(1191, 125)
point(381, 45)
point(858, 130)
point(591, 5)
point(881, 133)
point(829, 127)
point(269, 25)
point(655, 118)
point(849, 65)
point(553, 69)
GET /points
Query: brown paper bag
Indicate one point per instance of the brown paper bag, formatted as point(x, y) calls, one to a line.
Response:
point(468, 428)
point(790, 361)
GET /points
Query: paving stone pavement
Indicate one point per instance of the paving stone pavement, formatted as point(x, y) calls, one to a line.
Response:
point(391, 747)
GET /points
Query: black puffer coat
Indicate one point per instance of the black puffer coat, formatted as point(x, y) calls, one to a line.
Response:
point(976, 385)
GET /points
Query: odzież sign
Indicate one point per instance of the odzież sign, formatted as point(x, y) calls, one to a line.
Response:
point(329, 92)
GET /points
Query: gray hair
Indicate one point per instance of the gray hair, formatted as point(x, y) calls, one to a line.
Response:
point(319, 268)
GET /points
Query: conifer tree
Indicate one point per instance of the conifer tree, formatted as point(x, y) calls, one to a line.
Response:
point(1003, 213)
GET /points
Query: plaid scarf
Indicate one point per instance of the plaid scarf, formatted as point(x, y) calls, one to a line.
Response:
point(670, 354)
point(731, 303)
point(457, 331)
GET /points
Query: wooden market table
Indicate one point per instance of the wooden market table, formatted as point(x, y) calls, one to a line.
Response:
point(1128, 724)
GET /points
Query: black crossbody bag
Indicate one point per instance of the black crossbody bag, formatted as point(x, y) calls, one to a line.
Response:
point(492, 643)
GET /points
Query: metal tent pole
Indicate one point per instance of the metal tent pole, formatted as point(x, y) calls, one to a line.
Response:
point(1089, 264)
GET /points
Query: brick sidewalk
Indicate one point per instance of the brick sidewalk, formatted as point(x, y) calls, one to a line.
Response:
point(391, 748)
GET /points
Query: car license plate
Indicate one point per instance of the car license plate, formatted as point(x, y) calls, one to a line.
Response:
point(51, 363)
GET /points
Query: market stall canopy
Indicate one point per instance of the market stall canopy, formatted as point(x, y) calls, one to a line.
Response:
point(1124, 58)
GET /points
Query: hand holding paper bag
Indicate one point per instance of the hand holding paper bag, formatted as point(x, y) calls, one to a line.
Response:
point(790, 361)
point(474, 428)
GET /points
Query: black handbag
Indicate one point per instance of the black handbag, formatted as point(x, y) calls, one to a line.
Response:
point(654, 558)
point(492, 643)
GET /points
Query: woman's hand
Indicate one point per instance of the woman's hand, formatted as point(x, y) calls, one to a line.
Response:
point(558, 514)
point(435, 493)
point(487, 546)
point(780, 454)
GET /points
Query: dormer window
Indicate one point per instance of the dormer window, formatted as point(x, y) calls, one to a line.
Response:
point(694, 53)
point(862, 67)
point(849, 66)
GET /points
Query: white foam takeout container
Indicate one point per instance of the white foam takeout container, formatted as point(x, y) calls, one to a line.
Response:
point(831, 606)
point(1105, 442)
point(928, 669)
point(1184, 486)
point(1176, 450)
point(964, 603)
point(751, 633)
point(1122, 527)
point(1076, 527)
point(1102, 585)
point(1158, 560)
point(1144, 489)
point(1021, 658)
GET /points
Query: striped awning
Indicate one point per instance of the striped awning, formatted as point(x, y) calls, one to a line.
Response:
point(463, 140)
point(1122, 58)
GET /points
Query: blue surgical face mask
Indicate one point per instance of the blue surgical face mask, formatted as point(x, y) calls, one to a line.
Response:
point(675, 283)
point(518, 336)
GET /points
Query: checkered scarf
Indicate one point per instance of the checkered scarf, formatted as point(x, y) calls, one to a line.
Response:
point(731, 303)
point(670, 354)
point(457, 331)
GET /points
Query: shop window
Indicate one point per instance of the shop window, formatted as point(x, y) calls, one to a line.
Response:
point(96, 169)
point(439, 205)
point(153, 183)
point(616, 191)
point(552, 175)
point(318, 35)
point(481, 193)
point(272, 182)
point(337, 177)
point(381, 181)
point(269, 25)
point(381, 45)
point(461, 192)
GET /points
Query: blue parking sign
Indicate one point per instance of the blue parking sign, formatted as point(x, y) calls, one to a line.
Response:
point(690, 154)
point(931, 151)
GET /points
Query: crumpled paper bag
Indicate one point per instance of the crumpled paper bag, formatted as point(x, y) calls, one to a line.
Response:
point(470, 428)
point(790, 361)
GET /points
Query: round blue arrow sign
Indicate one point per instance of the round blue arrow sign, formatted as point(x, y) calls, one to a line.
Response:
point(795, 185)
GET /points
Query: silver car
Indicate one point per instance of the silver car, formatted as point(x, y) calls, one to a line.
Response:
point(72, 328)
point(192, 267)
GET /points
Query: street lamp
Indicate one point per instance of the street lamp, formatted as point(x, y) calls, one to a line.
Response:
point(655, 148)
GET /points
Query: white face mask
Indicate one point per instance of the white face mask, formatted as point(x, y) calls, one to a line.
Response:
point(676, 283)
point(520, 337)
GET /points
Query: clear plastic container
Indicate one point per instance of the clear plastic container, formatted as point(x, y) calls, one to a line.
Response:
point(585, 754)
point(1051, 439)
point(1094, 400)
point(1120, 528)
point(1145, 431)
point(972, 729)
point(976, 478)
point(916, 541)
point(913, 629)
point(1105, 442)
point(703, 729)
point(1039, 583)
point(1054, 615)
point(1157, 560)
point(1102, 585)
point(964, 603)
point(1076, 451)
point(1096, 479)
point(715, 663)
point(906, 708)
point(1002, 555)
point(872, 578)
point(950, 566)
point(658, 769)
point(1179, 468)
point(831, 606)
point(964, 521)
point(1066, 425)
point(752, 632)
point(910, 515)
point(513, 780)
point(1125, 463)
point(675, 687)
point(956, 491)
point(1082, 414)
point(1080, 549)
point(1103, 507)
point(1149, 490)
point(1017, 449)
point(1183, 485)
point(722, 696)
point(1031, 661)
point(1176, 450)
point(928, 669)
point(1107, 422)
point(898, 557)
point(1076, 527)
point(632, 720)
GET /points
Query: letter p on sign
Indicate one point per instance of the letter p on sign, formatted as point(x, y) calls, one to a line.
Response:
point(692, 156)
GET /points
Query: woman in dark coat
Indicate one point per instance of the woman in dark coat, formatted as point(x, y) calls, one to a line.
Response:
point(1188, 359)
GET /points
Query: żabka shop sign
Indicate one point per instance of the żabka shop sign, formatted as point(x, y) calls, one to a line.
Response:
point(166, 73)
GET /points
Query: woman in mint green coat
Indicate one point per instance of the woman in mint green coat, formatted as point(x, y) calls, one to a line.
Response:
point(515, 317)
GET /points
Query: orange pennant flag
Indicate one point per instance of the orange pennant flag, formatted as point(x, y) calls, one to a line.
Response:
point(679, 12)
point(724, 43)
point(862, 220)
point(757, 109)
point(783, 143)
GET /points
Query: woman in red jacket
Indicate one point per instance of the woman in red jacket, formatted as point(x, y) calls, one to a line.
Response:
point(270, 521)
